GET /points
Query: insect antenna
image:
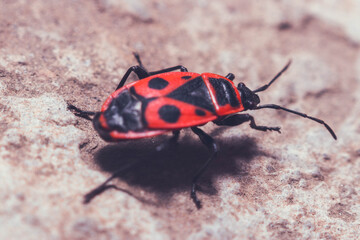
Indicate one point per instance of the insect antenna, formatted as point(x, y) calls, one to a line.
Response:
point(263, 88)
point(273, 106)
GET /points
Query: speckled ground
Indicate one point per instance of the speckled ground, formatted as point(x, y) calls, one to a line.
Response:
point(301, 184)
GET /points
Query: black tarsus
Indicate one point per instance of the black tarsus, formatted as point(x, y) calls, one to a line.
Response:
point(263, 88)
point(80, 113)
point(273, 106)
point(211, 145)
point(238, 119)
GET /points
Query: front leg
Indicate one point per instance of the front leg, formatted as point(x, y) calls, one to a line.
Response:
point(80, 113)
point(238, 119)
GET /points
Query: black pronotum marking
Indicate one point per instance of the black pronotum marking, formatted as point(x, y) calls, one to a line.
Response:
point(124, 113)
point(200, 112)
point(169, 113)
point(186, 77)
point(158, 83)
point(194, 92)
point(144, 101)
point(224, 91)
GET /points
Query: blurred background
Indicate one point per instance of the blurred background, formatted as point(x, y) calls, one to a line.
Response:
point(301, 184)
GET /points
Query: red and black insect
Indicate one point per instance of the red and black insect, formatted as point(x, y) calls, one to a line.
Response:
point(164, 101)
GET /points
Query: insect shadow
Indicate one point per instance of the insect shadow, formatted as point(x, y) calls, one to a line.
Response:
point(171, 170)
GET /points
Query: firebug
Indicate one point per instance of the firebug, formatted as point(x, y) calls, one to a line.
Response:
point(164, 101)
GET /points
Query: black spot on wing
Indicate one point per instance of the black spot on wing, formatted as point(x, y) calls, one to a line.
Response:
point(158, 83)
point(169, 113)
point(224, 91)
point(186, 77)
point(194, 92)
point(200, 112)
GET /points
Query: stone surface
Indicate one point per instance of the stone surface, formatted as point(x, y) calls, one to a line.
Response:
point(298, 185)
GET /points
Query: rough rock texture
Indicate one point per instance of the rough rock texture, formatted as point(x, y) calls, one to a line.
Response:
point(298, 185)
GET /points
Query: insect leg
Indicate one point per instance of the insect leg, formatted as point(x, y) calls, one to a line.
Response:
point(104, 186)
point(141, 72)
point(138, 70)
point(179, 67)
point(80, 113)
point(137, 57)
point(238, 119)
point(211, 145)
point(170, 69)
point(169, 142)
